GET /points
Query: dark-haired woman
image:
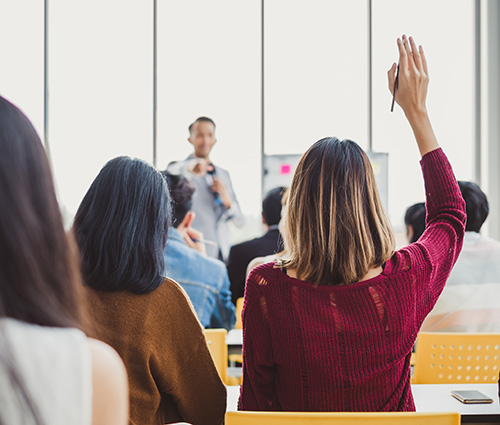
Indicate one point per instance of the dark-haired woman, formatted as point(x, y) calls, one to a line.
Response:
point(415, 221)
point(50, 372)
point(332, 328)
point(121, 229)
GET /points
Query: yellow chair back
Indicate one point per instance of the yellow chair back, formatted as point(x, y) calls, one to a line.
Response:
point(356, 418)
point(239, 309)
point(216, 341)
point(454, 358)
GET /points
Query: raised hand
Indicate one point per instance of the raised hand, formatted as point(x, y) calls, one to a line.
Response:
point(411, 92)
point(413, 77)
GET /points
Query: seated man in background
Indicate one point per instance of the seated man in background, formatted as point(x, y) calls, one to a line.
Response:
point(204, 279)
point(469, 302)
point(241, 254)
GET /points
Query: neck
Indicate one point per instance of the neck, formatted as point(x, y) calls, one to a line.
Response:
point(202, 157)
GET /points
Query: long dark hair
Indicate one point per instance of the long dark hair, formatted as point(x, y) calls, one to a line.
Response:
point(38, 269)
point(39, 274)
point(121, 227)
point(336, 226)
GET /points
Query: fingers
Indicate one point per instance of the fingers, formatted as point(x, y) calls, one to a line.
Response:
point(424, 60)
point(391, 77)
point(403, 56)
point(193, 233)
point(416, 55)
point(409, 53)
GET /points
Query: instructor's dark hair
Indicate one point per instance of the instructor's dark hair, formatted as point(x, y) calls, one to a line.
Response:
point(201, 119)
point(121, 227)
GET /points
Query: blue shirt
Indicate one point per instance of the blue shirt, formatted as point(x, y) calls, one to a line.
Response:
point(204, 279)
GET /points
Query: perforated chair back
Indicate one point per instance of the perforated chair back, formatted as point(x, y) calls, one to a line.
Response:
point(454, 358)
point(216, 340)
point(239, 309)
point(351, 418)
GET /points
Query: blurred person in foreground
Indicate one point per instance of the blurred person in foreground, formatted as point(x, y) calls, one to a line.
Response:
point(270, 243)
point(204, 279)
point(121, 228)
point(50, 372)
point(214, 201)
point(469, 302)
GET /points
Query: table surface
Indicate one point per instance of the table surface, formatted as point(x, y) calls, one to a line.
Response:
point(428, 398)
point(234, 337)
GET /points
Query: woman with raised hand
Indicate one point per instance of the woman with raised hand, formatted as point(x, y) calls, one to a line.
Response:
point(332, 328)
point(50, 372)
point(121, 229)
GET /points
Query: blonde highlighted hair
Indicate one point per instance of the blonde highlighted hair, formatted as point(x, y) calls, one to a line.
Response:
point(336, 227)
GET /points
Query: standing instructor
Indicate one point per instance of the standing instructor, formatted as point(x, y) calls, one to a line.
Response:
point(214, 201)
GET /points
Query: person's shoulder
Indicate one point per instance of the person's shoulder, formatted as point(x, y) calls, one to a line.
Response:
point(243, 246)
point(109, 385)
point(266, 271)
point(210, 266)
point(411, 257)
point(170, 288)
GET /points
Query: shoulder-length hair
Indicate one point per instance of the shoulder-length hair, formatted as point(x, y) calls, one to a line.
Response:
point(336, 226)
point(39, 276)
point(121, 227)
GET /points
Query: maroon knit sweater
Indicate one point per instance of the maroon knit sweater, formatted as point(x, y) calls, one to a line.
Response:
point(348, 347)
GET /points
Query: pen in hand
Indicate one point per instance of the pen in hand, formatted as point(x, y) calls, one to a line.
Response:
point(204, 241)
point(395, 88)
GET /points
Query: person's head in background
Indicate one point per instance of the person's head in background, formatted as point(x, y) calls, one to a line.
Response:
point(415, 221)
point(476, 205)
point(202, 136)
point(271, 206)
point(39, 273)
point(181, 193)
point(121, 227)
point(336, 228)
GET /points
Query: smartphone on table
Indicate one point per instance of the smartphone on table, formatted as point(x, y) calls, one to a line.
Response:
point(471, 397)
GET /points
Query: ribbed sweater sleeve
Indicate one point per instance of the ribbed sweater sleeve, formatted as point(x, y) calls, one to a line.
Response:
point(442, 240)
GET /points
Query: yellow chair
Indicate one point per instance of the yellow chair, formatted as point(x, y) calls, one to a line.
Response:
point(350, 418)
point(239, 309)
point(216, 340)
point(454, 358)
point(238, 358)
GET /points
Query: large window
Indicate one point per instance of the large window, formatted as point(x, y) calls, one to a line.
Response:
point(209, 65)
point(22, 52)
point(449, 48)
point(315, 73)
point(292, 72)
point(100, 89)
